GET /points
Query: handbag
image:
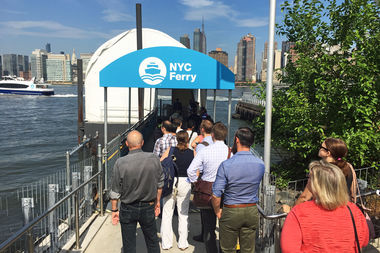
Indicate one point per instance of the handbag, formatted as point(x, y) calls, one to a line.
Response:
point(202, 194)
point(203, 191)
point(356, 233)
point(362, 208)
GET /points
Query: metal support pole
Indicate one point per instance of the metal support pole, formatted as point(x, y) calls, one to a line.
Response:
point(53, 230)
point(229, 116)
point(268, 104)
point(68, 187)
point(150, 99)
point(87, 188)
point(76, 203)
point(105, 138)
point(27, 205)
point(129, 105)
point(100, 179)
point(139, 46)
point(214, 115)
point(161, 107)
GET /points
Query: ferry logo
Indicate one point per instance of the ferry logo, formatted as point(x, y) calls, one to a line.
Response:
point(152, 71)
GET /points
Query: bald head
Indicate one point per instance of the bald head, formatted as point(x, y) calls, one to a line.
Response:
point(134, 140)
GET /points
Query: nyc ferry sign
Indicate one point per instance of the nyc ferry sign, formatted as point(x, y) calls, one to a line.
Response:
point(167, 68)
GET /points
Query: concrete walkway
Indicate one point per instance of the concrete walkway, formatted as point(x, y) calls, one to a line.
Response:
point(108, 238)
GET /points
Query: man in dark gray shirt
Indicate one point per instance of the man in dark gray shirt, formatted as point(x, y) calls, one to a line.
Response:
point(137, 181)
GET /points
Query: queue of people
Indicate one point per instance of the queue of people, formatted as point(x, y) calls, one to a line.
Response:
point(325, 207)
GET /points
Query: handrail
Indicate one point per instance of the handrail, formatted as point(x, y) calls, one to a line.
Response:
point(133, 127)
point(283, 215)
point(30, 225)
point(270, 216)
point(75, 149)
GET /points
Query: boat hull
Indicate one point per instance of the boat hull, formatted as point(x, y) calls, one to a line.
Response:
point(27, 92)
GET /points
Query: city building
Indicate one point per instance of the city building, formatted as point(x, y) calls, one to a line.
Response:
point(38, 64)
point(199, 40)
point(1, 66)
point(264, 61)
point(48, 48)
point(185, 40)
point(277, 66)
point(58, 68)
point(220, 56)
point(10, 65)
point(285, 49)
point(86, 57)
point(74, 67)
point(246, 62)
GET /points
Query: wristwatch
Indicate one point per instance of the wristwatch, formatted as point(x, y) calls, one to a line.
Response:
point(115, 210)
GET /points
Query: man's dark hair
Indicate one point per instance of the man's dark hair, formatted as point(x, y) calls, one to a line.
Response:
point(220, 131)
point(167, 125)
point(206, 125)
point(176, 122)
point(246, 136)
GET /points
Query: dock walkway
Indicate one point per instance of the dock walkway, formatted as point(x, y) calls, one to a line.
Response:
point(108, 236)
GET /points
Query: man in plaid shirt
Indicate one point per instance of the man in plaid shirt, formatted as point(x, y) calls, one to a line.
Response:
point(166, 141)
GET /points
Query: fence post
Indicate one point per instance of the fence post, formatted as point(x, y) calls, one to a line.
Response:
point(87, 188)
point(100, 179)
point(53, 189)
point(27, 205)
point(269, 206)
point(76, 203)
point(68, 187)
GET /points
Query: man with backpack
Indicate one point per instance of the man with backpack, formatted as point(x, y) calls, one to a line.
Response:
point(167, 140)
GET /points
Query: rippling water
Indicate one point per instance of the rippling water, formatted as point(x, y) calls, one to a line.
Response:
point(35, 133)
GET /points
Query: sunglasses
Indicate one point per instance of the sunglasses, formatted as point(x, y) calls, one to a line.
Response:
point(326, 149)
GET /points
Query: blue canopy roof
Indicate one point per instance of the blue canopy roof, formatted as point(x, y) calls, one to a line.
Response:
point(167, 68)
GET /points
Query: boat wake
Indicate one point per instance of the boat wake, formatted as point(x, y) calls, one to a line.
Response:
point(64, 95)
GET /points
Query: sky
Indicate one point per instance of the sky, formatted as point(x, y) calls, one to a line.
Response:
point(84, 25)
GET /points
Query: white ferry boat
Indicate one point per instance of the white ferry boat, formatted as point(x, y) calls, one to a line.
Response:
point(18, 86)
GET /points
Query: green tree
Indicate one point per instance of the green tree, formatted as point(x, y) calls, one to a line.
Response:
point(333, 78)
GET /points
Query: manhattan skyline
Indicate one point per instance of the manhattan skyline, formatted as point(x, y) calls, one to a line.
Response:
point(86, 25)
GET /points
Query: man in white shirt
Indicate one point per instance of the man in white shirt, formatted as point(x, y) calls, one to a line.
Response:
point(208, 160)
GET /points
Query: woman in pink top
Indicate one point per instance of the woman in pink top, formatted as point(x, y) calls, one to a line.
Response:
point(324, 224)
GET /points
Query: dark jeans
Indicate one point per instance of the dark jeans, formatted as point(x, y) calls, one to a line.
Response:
point(208, 219)
point(143, 213)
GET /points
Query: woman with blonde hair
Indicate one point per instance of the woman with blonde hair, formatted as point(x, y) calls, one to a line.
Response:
point(334, 151)
point(325, 224)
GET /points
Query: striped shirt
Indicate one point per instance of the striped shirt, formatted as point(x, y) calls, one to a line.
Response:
point(163, 143)
point(207, 160)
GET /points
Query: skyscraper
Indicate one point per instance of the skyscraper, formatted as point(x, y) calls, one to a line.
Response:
point(185, 40)
point(58, 68)
point(246, 62)
point(199, 40)
point(48, 48)
point(220, 56)
point(38, 63)
point(286, 48)
point(10, 64)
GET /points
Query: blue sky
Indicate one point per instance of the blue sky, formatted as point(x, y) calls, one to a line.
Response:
point(86, 24)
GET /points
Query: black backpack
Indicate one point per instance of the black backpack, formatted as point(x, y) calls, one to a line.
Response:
point(170, 172)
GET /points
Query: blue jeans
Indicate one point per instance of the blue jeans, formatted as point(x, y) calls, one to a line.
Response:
point(143, 213)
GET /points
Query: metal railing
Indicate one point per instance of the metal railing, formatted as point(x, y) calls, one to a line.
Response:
point(264, 244)
point(52, 237)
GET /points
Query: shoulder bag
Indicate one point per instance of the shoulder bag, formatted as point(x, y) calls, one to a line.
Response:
point(356, 233)
point(203, 191)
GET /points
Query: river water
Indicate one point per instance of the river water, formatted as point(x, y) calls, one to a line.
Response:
point(36, 131)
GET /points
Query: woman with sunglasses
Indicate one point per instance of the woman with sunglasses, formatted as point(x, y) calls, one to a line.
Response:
point(333, 150)
point(325, 224)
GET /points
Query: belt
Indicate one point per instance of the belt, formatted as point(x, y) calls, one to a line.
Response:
point(240, 205)
point(140, 202)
